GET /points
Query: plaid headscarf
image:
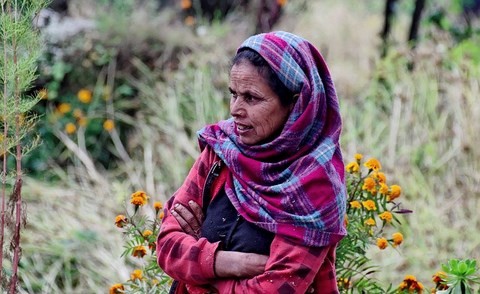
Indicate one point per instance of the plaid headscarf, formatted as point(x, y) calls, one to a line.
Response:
point(293, 185)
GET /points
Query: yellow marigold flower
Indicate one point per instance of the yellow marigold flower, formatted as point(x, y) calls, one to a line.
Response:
point(136, 275)
point(70, 128)
point(439, 277)
point(85, 96)
point(352, 167)
point(373, 164)
point(403, 285)
point(369, 205)
point(370, 222)
point(397, 238)
point(395, 191)
point(358, 156)
point(120, 221)
point(43, 94)
point(147, 233)
point(155, 282)
point(108, 125)
point(383, 189)
point(355, 204)
point(139, 251)
point(186, 4)
point(157, 205)
point(380, 177)
point(382, 243)
point(161, 215)
point(410, 278)
point(189, 20)
point(386, 216)
point(117, 289)
point(64, 108)
point(281, 3)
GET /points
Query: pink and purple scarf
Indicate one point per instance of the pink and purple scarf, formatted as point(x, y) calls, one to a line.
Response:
point(293, 185)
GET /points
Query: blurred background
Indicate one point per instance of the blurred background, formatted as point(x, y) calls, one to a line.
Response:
point(126, 84)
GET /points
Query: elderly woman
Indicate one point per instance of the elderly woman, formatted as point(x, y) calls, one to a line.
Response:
point(262, 209)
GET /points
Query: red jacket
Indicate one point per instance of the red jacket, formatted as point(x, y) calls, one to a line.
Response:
point(291, 268)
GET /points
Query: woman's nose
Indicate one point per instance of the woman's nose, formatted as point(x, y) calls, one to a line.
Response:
point(236, 108)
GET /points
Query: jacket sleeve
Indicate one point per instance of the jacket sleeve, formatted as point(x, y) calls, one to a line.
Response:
point(180, 255)
point(291, 268)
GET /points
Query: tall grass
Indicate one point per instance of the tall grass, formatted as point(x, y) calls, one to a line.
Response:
point(422, 123)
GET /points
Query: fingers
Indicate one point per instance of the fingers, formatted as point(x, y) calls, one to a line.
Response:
point(187, 220)
point(183, 224)
point(197, 211)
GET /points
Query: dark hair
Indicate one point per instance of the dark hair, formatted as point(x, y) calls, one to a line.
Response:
point(264, 69)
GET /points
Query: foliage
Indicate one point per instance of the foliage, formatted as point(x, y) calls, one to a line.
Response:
point(457, 277)
point(140, 230)
point(371, 212)
point(20, 48)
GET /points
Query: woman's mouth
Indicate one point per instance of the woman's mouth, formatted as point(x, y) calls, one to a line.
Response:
point(242, 128)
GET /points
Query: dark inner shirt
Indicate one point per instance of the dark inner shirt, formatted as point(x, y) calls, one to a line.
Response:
point(223, 223)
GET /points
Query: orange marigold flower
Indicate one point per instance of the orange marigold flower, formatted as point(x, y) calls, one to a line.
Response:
point(138, 201)
point(382, 243)
point(70, 128)
point(186, 4)
point(64, 108)
point(369, 185)
point(161, 215)
point(136, 275)
point(139, 198)
point(373, 164)
point(369, 205)
point(355, 204)
point(358, 156)
point(397, 238)
point(281, 3)
point(117, 289)
point(139, 193)
point(121, 221)
point(139, 251)
point(147, 233)
point(352, 167)
point(395, 191)
point(157, 205)
point(383, 189)
point(380, 177)
point(370, 222)
point(85, 96)
point(108, 125)
point(386, 216)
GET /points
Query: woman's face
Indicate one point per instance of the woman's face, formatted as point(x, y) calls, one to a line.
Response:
point(258, 114)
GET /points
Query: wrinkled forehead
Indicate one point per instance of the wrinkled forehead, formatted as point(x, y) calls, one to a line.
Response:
point(285, 53)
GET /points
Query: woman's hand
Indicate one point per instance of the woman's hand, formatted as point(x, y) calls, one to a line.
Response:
point(190, 220)
point(236, 264)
